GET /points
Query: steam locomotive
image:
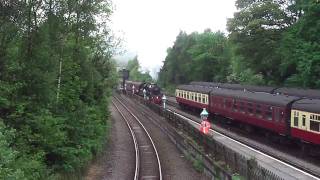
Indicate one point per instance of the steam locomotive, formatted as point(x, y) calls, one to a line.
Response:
point(152, 90)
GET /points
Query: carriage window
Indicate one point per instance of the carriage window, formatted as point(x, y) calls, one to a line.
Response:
point(203, 99)
point(296, 119)
point(314, 126)
point(303, 120)
point(188, 95)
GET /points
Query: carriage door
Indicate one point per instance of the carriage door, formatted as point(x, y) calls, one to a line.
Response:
point(276, 111)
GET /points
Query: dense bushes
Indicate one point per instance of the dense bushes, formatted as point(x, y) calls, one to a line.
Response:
point(55, 82)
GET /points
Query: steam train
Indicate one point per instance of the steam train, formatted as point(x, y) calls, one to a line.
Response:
point(153, 91)
point(284, 112)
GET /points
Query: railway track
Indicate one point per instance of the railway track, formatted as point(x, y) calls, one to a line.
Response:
point(313, 174)
point(147, 165)
point(310, 173)
point(171, 100)
point(308, 169)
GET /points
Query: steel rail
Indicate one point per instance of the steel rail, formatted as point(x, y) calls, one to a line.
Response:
point(153, 145)
point(137, 157)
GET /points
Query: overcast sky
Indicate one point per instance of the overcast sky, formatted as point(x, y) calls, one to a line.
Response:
point(149, 27)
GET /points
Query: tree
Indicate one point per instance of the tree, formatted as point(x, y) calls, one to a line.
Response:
point(300, 48)
point(196, 57)
point(53, 125)
point(255, 33)
point(134, 71)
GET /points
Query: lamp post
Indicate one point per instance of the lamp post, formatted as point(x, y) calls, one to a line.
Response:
point(204, 114)
point(205, 125)
point(132, 89)
point(144, 94)
point(164, 99)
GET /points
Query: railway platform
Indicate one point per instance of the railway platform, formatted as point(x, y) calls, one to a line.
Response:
point(278, 167)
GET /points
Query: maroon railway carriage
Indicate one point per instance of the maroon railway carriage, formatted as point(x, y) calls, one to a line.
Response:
point(305, 93)
point(298, 92)
point(193, 96)
point(130, 84)
point(267, 111)
point(203, 83)
point(253, 88)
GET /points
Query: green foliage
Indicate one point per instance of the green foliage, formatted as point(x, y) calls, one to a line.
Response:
point(270, 42)
point(8, 156)
point(52, 121)
point(255, 32)
point(198, 165)
point(241, 73)
point(198, 56)
point(300, 48)
point(134, 71)
point(275, 42)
